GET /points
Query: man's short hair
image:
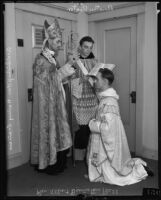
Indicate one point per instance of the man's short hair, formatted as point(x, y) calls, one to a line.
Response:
point(86, 39)
point(107, 74)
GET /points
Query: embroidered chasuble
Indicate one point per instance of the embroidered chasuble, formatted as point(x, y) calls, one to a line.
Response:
point(84, 98)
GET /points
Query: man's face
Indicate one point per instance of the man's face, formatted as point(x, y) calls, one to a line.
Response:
point(55, 44)
point(99, 82)
point(86, 48)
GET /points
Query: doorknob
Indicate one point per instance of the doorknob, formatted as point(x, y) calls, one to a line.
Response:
point(133, 96)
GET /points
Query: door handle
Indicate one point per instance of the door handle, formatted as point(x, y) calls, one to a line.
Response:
point(133, 96)
point(30, 94)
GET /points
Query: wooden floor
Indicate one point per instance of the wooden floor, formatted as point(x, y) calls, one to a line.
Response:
point(24, 181)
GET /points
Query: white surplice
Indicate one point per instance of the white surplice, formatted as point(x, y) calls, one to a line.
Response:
point(108, 146)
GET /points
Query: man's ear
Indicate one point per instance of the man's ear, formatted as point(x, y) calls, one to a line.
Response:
point(106, 81)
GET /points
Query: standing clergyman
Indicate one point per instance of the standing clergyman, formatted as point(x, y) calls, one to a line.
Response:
point(51, 137)
point(84, 98)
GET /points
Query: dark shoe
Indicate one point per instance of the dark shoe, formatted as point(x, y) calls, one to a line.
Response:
point(61, 169)
point(40, 170)
point(65, 166)
point(149, 171)
point(54, 171)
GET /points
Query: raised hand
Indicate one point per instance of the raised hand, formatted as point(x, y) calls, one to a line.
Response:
point(72, 56)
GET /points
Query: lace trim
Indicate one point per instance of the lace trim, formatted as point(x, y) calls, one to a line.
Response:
point(111, 109)
point(48, 55)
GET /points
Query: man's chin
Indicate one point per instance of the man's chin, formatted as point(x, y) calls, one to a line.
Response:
point(86, 55)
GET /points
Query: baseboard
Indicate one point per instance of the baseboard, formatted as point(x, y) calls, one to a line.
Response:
point(150, 154)
point(132, 154)
point(14, 161)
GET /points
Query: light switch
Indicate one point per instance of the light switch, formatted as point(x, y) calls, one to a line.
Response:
point(20, 42)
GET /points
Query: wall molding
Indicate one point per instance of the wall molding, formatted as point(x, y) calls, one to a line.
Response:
point(115, 7)
point(149, 153)
point(14, 160)
point(47, 10)
point(120, 6)
point(56, 6)
point(130, 10)
point(139, 82)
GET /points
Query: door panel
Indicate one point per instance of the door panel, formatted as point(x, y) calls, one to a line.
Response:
point(115, 40)
point(117, 44)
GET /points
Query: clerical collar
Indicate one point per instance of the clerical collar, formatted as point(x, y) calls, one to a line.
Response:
point(110, 92)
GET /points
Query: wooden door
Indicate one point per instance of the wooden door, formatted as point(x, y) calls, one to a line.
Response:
point(117, 44)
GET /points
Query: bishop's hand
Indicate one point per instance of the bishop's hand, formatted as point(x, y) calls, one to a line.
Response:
point(94, 125)
point(72, 57)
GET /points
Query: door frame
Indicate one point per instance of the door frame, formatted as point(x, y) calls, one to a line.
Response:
point(137, 11)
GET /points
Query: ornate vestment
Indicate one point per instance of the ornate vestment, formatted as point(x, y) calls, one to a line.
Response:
point(50, 129)
point(84, 98)
point(108, 146)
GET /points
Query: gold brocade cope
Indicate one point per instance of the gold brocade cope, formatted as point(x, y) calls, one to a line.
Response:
point(50, 131)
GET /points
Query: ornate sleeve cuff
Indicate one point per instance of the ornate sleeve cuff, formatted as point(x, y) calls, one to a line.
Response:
point(66, 71)
point(94, 126)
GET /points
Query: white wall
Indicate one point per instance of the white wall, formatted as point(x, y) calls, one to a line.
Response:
point(150, 83)
point(82, 24)
point(92, 32)
point(13, 134)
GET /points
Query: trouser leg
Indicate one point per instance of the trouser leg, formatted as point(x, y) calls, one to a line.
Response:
point(82, 137)
point(62, 159)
